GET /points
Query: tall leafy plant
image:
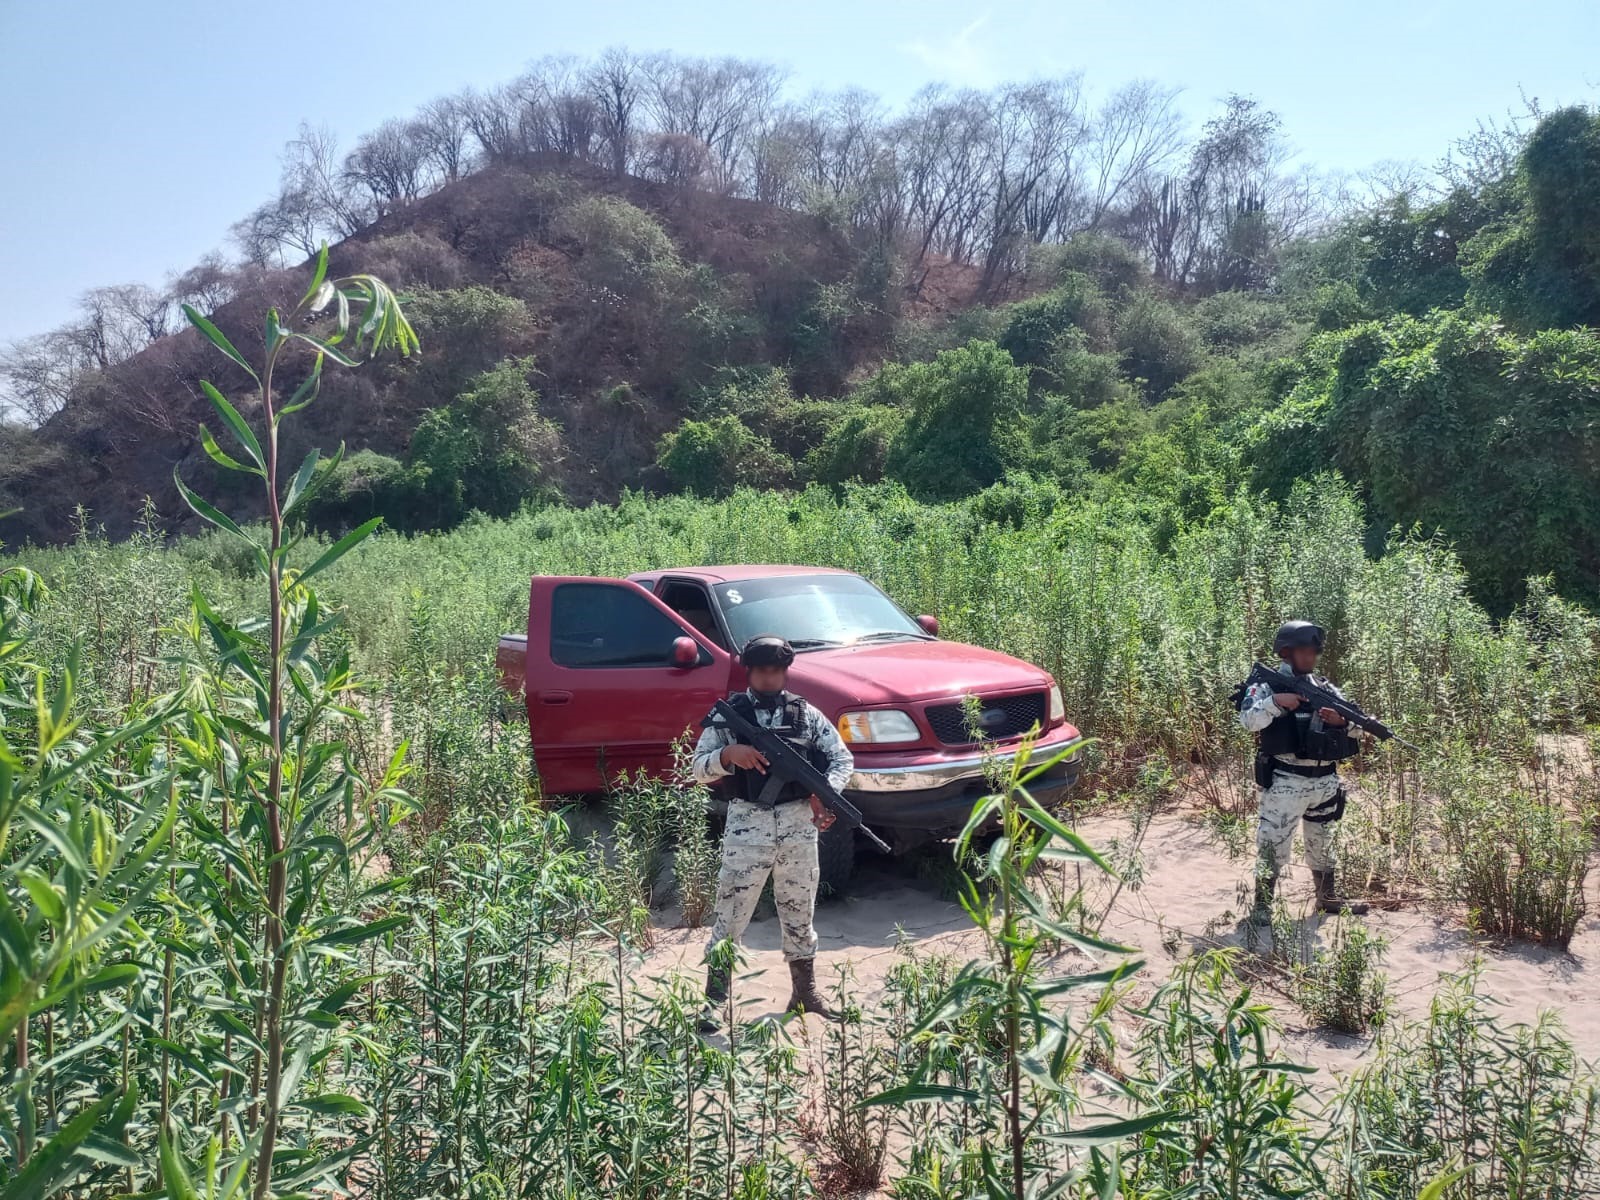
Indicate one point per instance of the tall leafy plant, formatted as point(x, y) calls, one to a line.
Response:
point(1017, 1101)
point(72, 879)
point(274, 700)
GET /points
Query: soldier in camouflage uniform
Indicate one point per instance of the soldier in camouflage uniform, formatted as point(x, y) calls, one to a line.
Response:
point(1297, 773)
point(780, 838)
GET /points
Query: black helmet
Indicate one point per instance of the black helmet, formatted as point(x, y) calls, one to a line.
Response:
point(767, 650)
point(1297, 633)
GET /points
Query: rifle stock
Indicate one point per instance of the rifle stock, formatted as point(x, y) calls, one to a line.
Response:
point(785, 763)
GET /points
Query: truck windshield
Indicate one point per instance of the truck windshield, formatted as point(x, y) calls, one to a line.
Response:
point(813, 611)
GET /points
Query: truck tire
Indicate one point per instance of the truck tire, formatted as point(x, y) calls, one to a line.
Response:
point(836, 859)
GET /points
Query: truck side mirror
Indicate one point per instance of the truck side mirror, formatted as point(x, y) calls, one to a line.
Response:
point(929, 623)
point(685, 652)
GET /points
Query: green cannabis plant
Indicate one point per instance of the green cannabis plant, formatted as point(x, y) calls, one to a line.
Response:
point(295, 826)
point(1016, 1091)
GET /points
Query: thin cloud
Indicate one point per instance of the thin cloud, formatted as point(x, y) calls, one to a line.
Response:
point(959, 58)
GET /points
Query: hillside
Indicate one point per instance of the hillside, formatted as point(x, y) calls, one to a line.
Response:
point(626, 299)
point(897, 307)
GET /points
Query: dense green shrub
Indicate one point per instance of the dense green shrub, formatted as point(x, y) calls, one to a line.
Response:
point(468, 330)
point(1419, 410)
point(856, 446)
point(1405, 257)
point(962, 410)
point(920, 339)
point(625, 249)
point(366, 485)
point(1035, 327)
point(1541, 265)
point(1519, 862)
point(489, 450)
point(1513, 1108)
point(1108, 262)
point(1075, 444)
point(1083, 377)
point(1020, 500)
point(1341, 985)
point(749, 393)
point(712, 458)
point(1204, 1056)
point(762, 399)
point(1158, 344)
point(1235, 322)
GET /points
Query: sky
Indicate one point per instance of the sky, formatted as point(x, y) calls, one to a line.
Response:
point(133, 135)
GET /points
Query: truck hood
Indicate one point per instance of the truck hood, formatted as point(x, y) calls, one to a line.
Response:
point(883, 673)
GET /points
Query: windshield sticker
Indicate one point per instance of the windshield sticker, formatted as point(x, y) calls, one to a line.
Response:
point(735, 598)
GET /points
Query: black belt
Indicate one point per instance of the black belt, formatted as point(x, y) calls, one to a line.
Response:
point(1321, 772)
point(753, 803)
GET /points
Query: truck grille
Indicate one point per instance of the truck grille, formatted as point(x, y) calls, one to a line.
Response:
point(1003, 717)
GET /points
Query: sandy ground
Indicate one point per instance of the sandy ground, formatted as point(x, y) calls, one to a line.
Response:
point(1189, 898)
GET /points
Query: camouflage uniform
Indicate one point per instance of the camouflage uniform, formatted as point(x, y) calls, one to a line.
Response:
point(781, 839)
point(1285, 803)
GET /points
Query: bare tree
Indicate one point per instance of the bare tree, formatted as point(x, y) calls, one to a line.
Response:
point(207, 285)
point(313, 173)
point(848, 159)
point(1135, 135)
point(779, 151)
point(616, 86)
point(717, 102)
point(114, 323)
point(314, 203)
point(1489, 153)
point(676, 159)
point(119, 321)
point(1037, 129)
point(1219, 223)
point(41, 373)
point(444, 130)
point(557, 114)
point(289, 221)
point(389, 164)
point(493, 119)
point(1055, 206)
point(146, 309)
point(941, 149)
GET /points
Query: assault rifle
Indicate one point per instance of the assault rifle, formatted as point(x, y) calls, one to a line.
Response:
point(1300, 685)
point(785, 763)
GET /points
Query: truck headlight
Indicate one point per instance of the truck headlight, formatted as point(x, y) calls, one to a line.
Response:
point(878, 725)
point(1058, 706)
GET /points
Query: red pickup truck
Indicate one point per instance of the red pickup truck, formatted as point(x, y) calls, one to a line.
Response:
point(613, 671)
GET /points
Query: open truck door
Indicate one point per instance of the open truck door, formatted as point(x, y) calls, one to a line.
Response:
point(613, 677)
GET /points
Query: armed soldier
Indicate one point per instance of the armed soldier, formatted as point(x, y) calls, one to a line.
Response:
point(1297, 773)
point(780, 837)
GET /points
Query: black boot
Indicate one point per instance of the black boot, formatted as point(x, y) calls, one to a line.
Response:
point(1328, 900)
point(1266, 889)
point(717, 980)
point(804, 997)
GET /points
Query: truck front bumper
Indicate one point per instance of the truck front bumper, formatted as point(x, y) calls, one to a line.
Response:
point(936, 796)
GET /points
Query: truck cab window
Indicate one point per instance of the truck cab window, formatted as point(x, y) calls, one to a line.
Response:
point(691, 602)
point(605, 625)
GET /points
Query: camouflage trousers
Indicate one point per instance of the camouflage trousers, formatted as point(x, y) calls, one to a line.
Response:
point(1283, 805)
point(781, 840)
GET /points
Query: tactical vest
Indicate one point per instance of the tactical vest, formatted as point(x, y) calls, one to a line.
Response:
point(1302, 734)
point(791, 727)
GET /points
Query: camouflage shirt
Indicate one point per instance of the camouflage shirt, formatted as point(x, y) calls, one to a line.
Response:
point(1258, 711)
point(816, 731)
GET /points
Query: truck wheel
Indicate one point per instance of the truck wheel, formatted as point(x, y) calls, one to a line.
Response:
point(836, 858)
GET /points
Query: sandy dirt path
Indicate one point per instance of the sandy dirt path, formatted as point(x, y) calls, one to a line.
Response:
point(1189, 898)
